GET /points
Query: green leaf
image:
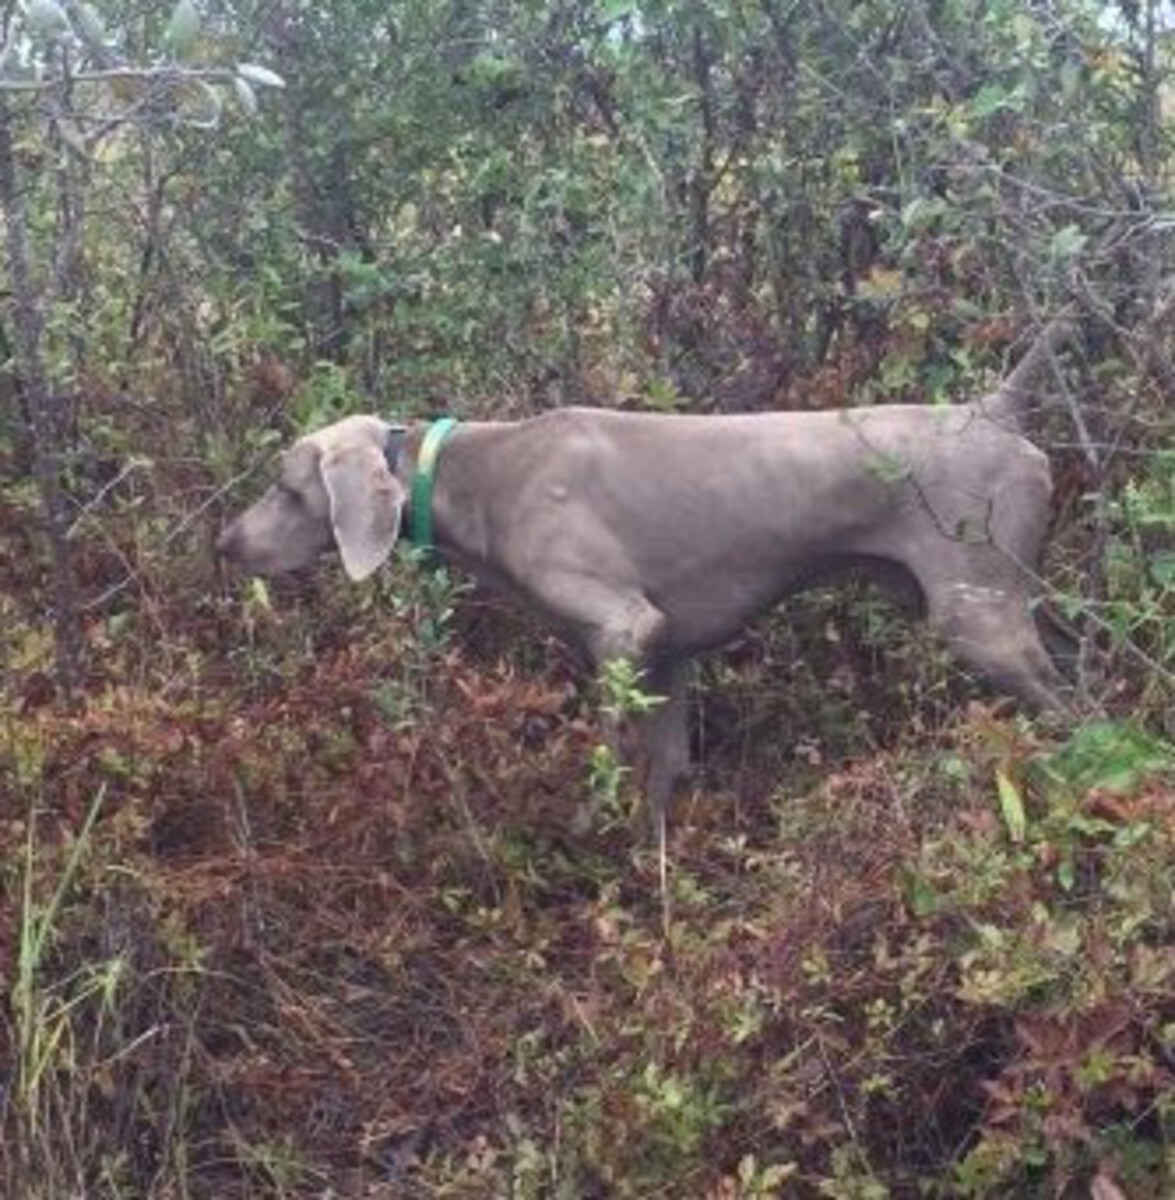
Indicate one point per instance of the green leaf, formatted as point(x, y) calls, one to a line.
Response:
point(262, 76)
point(991, 99)
point(1012, 808)
point(183, 28)
point(90, 26)
point(46, 18)
point(200, 105)
point(1066, 875)
point(923, 897)
point(1162, 568)
point(1110, 755)
point(889, 468)
point(1067, 243)
point(259, 594)
point(245, 96)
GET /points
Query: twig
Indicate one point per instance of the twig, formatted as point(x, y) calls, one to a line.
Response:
point(182, 527)
point(161, 74)
point(87, 508)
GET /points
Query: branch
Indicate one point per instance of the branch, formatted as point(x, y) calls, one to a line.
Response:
point(165, 73)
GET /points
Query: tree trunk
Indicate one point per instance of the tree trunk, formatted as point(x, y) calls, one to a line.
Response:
point(27, 324)
point(703, 177)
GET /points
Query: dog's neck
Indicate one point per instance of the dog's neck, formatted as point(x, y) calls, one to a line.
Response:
point(402, 445)
point(456, 526)
point(460, 521)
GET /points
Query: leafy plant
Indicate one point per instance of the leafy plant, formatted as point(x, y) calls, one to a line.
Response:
point(621, 698)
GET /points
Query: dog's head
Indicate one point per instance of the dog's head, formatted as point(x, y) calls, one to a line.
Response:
point(335, 491)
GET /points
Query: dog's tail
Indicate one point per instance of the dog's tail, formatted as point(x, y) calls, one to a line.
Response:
point(1012, 400)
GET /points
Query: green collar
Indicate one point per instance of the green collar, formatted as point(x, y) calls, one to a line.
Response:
point(423, 478)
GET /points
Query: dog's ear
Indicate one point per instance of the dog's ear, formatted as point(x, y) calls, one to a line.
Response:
point(366, 500)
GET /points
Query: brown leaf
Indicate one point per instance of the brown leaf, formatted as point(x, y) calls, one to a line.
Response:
point(1110, 807)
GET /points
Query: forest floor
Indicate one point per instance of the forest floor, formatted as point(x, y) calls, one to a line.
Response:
point(303, 915)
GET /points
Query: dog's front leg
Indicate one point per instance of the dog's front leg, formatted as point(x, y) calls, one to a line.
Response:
point(642, 706)
point(665, 742)
point(644, 719)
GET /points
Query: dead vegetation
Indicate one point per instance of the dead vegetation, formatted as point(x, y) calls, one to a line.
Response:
point(299, 914)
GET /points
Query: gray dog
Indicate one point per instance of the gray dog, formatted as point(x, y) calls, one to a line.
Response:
point(656, 537)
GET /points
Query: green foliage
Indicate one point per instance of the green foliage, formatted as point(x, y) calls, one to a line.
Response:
point(622, 698)
point(423, 595)
point(330, 926)
point(41, 1017)
point(183, 28)
point(1107, 755)
point(606, 778)
point(1139, 607)
point(621, 693)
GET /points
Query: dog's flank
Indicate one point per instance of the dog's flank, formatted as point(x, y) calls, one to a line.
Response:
point(656, 537)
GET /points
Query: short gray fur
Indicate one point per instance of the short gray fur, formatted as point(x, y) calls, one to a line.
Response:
point(656, 537)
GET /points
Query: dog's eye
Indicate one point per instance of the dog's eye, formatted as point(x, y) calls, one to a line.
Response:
point(288, 493)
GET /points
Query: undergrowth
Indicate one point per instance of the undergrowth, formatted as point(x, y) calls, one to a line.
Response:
point(306, 917)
